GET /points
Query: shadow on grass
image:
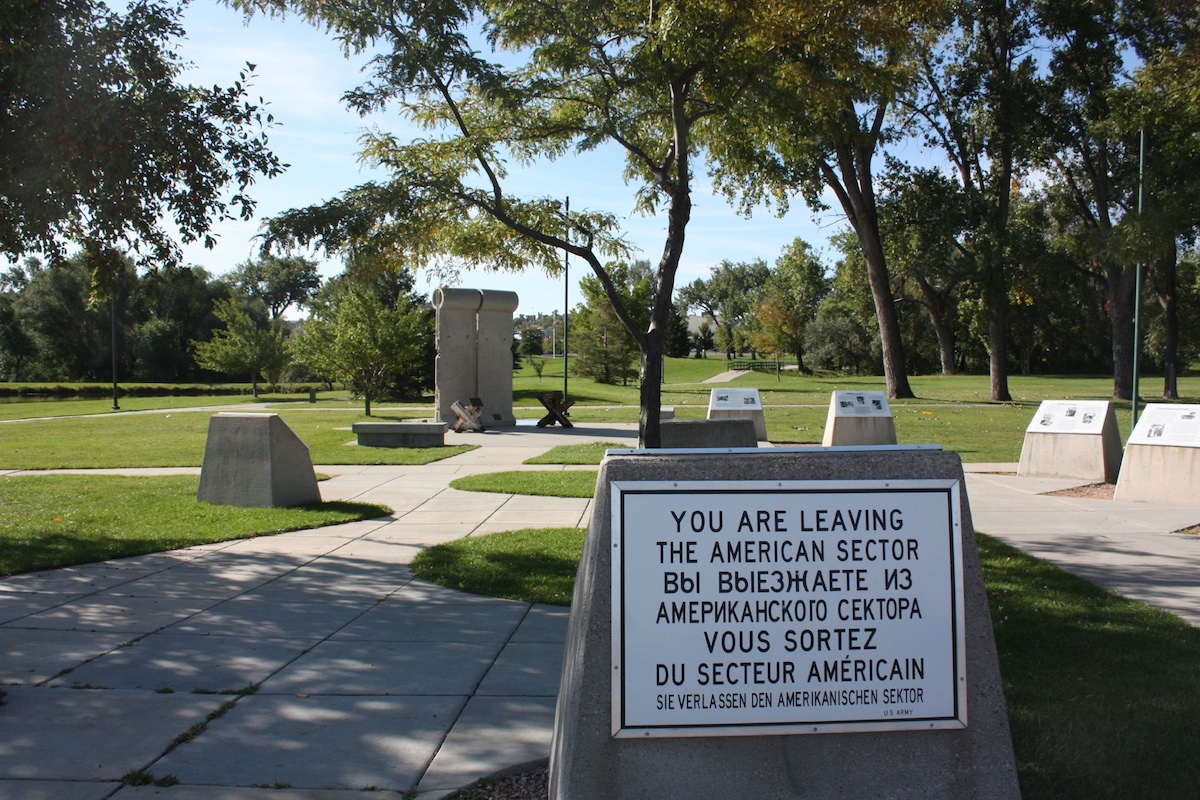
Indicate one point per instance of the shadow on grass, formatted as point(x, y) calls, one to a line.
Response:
point(535, 565)
point(1103, 693)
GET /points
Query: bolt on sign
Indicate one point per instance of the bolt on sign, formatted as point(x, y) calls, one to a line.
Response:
point(784, 607)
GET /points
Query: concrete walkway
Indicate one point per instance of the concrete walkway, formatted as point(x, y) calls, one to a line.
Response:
point(312, 666)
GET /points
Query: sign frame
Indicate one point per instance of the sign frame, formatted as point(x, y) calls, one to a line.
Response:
point(626, 544)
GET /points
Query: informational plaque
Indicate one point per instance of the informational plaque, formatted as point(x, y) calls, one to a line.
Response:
point(764, 607)
point(1069, 416)
point(734, 400)
point(859, 404)
point(1168, 424)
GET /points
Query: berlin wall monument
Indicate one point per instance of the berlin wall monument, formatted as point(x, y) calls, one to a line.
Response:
point(781, 623)
point(474, 352)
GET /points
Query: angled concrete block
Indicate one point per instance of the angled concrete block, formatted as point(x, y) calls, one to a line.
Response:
point(255, 460)
point(1162, 457)
point(738, 404)
point(858, 418)
point(692, 433)
point(1072, 439)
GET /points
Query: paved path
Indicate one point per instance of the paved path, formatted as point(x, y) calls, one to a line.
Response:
point(367, 683)
point(726, 377)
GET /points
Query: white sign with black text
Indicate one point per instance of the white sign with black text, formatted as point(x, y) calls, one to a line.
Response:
point(860, 404)
point(734, 400)
point(1169, 424)
point(753, 607)
point(1069, 416)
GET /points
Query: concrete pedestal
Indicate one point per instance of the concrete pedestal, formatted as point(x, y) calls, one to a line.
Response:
point(724, 404)
point(1069, 439)
point(588, 763)
point(858, 419)
point(698, 433)
point(255, 460)
point(1162, 457)
point(400, 434)
point(1160, 474)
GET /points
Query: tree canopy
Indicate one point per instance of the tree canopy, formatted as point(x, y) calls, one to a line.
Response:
point(661, 81)
point(102, 144)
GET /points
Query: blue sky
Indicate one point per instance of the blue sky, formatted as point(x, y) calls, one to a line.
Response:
point(302, 73)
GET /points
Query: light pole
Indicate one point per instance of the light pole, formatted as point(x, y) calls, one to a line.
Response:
point(566, 296)
point(1137, 289)
point(113, 318)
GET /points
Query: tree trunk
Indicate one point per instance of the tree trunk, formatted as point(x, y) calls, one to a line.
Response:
point(998, 350)
point(367, 402)
point(853, 184)
point(1120, 288)
point(945, 338)
point(650, 415)
point(894, 369)
point(941, 325)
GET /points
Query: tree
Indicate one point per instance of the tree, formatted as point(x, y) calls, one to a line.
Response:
point(649, 79)
point(1092, 159)
point(603, 348)
point(923, 216)
point(704, 340)
point(789, 300)
point(678, 343)
point(726, 297)
point(280, 282)
point(819, 119)
point(176, 305)
point(16, 345)
point(531, 343)
point(355, 338)
point(980, 103)
point(247, 345)
point(101, 144)
point(1164, 97)
point(70, 332)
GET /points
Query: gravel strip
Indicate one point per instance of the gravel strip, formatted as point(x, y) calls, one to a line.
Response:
point(529, 784)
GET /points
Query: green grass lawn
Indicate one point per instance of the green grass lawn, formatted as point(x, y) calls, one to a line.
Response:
point(177, 439)
point(558, 483)
point(51, 521)
point(951, 410)
point(1103, 693)
point(591, 453)
point(535, 565)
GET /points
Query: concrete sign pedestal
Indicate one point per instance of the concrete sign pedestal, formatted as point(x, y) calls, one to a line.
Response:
point(731, 694)
point(858, 418)
point(738, 404)
point(1072, 439)
point(256, 460)
point(1162, 457)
